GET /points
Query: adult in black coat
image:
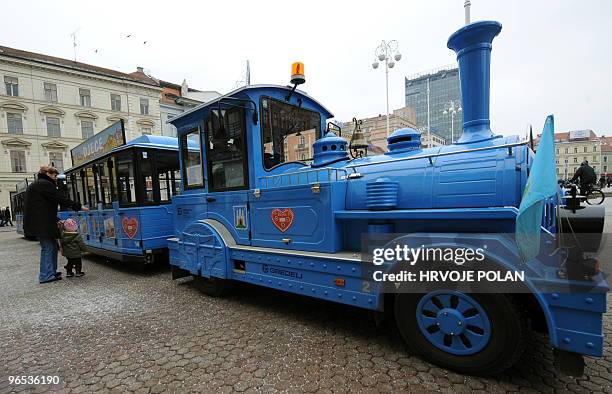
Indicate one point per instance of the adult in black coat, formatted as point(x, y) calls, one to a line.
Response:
point(7, 216)
point(40, 219)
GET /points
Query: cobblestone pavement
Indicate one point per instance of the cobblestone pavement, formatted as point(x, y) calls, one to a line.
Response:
point(118, 329)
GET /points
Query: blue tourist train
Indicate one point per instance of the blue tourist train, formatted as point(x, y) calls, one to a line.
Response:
point(129, 188)
point(248, 212)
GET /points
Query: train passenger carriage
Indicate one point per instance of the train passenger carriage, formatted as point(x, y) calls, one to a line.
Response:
point(128, 188)
point(249, 212)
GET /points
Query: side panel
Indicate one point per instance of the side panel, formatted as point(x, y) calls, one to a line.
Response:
point(297, 218)
point(156, 226)
point(129, 231)
point(231, 209)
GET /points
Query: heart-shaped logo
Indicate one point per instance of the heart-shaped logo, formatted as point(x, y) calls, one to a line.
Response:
point(130, 226)
point(282, 218)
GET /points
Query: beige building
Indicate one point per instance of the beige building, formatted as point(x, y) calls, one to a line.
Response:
point(574, 147)
point(48, 105)
point(375, 128)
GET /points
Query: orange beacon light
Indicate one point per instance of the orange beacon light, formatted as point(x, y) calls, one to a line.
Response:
point(297, 73)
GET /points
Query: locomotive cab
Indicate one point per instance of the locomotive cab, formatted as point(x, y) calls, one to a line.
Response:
point(252, 171)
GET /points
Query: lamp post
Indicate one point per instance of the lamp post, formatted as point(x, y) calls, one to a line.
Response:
point(452, 109)
point(383, 53)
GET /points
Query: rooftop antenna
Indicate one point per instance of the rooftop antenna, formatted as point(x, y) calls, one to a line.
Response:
point(466, 6)
point(74, 44)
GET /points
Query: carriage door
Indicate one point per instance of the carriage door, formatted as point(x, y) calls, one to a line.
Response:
point(227, 170)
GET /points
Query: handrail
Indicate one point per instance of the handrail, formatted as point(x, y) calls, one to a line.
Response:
point(429, 156)
point(317, 171)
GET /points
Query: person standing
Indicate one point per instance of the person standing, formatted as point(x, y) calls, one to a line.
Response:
point(7, 216)
point(40, 219)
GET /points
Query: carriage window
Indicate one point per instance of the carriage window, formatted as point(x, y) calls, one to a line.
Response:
point(146, 176)
point(285, 128)
point(80, 187)
point(90, 186)
point(112, 173)
point(125, 178)
point(226, 151)
point(167, 173)
point(104, 183)
point(192, 159)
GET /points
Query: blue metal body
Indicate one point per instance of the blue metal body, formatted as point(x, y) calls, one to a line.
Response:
point(133, 233)
point(455, 192)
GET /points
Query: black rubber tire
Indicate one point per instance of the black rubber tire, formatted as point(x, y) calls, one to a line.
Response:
point(213, 287)
point(595, 197)
point(509, 329)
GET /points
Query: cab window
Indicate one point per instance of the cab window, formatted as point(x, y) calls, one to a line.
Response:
point(226, 158)
point(285, 128)
point(192, 159)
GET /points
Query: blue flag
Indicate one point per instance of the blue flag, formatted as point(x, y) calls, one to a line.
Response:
point(541, 184)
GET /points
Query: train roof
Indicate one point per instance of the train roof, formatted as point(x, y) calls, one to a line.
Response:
point(245, 89)
point(144, 141)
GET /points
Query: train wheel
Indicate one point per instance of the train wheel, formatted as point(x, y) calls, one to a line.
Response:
point(478, 334)
point(213, 287)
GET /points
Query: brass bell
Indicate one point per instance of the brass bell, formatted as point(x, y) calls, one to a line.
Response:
point(358, 145)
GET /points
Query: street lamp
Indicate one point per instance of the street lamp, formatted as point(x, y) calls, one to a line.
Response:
point(384, 53)
point(453, 109)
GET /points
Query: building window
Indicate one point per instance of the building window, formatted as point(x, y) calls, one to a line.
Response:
point(585, 149)
point(595, 148)
point(566, 151)
point(302, 140)
point(18, 163)
point(145, 130)
point(144, 106)
point(85, 96)
point(557, 151)
point(575, 160)
point(50, 92)
point(56, 159)
point(605, 168)
point(87, 129)
point(53, 126)
point(12, 86)
point(594, 158)
point(14, 123)
point(115, 102)
point(575, 150)
point(606, 159)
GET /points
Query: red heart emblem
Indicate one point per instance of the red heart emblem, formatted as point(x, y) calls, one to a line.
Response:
point(130, 226)
point(282, 218)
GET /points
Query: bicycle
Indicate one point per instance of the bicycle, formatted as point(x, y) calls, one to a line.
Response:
point(593, 195)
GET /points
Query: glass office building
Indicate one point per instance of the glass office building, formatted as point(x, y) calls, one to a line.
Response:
point(444, 91)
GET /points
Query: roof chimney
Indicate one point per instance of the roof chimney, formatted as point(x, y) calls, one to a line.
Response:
point(140, 70)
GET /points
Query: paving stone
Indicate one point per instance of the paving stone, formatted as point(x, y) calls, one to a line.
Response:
point(141, 332)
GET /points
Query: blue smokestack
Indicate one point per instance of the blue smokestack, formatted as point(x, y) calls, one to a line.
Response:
point(472, 43)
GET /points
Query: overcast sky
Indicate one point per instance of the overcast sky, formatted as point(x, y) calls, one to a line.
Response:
point(551, 56)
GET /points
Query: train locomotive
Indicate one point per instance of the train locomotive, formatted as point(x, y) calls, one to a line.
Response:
point(249, 213)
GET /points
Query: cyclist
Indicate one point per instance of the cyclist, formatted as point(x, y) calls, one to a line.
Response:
point(586, 173)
